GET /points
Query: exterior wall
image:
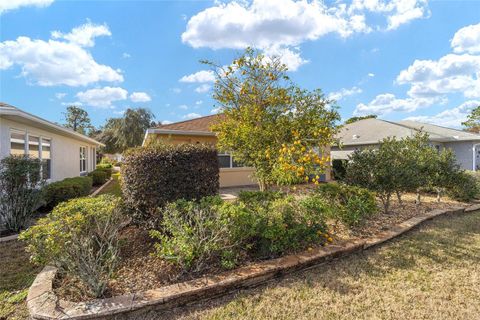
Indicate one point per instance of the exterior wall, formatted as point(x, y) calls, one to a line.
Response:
point(234, 177)
point(65, 151)
point(463, 152)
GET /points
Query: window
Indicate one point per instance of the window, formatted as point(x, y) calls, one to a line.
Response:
point(37, 147)
point(83, 159)
point(46, 157)
point(17, 143)
point(225, 160)
point(33, 147)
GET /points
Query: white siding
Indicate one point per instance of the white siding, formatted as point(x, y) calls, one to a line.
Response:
point(65, 151)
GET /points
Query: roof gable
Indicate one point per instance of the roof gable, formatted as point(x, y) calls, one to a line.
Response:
point(202, 124)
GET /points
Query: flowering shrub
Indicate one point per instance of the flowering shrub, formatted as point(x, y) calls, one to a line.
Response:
point(81, 238)
point(153, 176)
point(351, 204)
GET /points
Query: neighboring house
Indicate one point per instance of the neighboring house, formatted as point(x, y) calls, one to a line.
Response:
point(116, 157)
point(369, 132)
point(66, 153)
point(198, 131)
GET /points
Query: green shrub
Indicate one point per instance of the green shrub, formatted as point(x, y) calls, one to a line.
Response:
point(153, 176)
point(255, 198)
point(99, 177)
point(20, 190)
point(271, 228)
point(351, 203)
point(464, 187)
point(67, 189)
point(194, 235)
point(107, 171)
point(81, 238)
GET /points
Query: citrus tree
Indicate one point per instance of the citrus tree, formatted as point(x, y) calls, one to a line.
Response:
point(271, 124)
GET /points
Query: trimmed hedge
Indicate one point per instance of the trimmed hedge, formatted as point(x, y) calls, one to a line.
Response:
point(99, 177)
point(67, 189)
point(107, 171)
point(153, 176)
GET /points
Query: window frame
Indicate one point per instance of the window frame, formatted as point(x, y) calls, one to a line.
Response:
point(26, 146)
point(83, 160)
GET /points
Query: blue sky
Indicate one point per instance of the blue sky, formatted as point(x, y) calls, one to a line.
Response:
point(399, 59)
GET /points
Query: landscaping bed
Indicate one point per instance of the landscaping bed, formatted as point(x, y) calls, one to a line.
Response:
point(140, 270)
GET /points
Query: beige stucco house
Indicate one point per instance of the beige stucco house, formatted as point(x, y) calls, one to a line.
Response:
point(198, 131)
point(368, 133)
point(66, 153)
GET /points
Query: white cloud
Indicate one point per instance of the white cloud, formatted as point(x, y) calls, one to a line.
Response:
point(199, 77)
point(140, 97)
point(126, 55)
point(191, 116)
point(166, 122)
point(6, 5)
point(216, 110)
point(450, 117)
point(467, 39)
point(72, 103)
point(289, 57)
point(102, 97)
point(60, 95)
point(199, 102)
point(183, 107)
point(203, 88)
point(451, 73)
point(84, 35)
point(387, 102)
point(371, 74)
point(338, 95)
point(283, 24)
point(54, 62)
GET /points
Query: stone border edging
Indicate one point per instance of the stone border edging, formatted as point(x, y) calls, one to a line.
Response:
point(9, 238)
point(44, 304)
point(96, 192)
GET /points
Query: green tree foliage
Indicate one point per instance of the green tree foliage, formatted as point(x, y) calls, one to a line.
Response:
point(77, 119)
point(407, 165)
point(473, 121)
point(269, 123)
point(20, 184)
point(355, 119)
point(120, 134)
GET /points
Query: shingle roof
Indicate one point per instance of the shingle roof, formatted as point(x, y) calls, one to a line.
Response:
point(202, 124)
point(371, 131)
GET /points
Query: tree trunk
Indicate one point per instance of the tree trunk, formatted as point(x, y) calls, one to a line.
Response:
point(399, 197)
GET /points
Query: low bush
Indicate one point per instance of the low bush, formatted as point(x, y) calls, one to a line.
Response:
point(67, 189)
point(20, 190)
point(194, 235)
point(278, 225)
point(99, 177)
point(107, 171)
point(80, 237)
point(153, 176)
point(210, 232)
point(351, 204)
point(464, 187)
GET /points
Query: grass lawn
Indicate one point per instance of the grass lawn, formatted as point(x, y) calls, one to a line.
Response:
point(432, 272)
point(16, 275)
point(113, 187)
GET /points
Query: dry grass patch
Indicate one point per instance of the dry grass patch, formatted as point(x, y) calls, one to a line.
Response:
point(430, 273)
point(16, 276)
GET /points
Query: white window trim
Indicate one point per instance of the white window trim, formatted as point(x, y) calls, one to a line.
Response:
point(26, 145)
point(85, 157)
